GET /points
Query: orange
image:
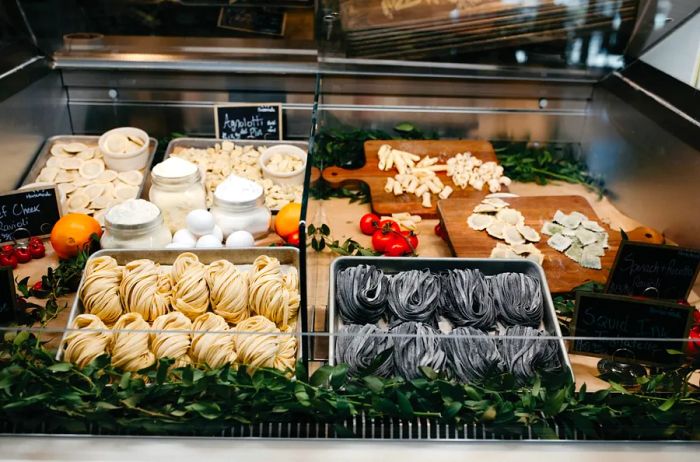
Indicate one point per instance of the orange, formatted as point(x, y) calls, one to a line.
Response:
point(72, 232)
point(287, 221)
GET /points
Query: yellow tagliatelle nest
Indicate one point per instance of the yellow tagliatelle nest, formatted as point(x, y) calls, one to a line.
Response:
point(130, 343)
point(272, 294)
point(174, 339)
point(212, 349)
point(269, 349)
point(145, 289)
point(86, 344)
point(190, 294)
point(228, 291)
point(100, 290)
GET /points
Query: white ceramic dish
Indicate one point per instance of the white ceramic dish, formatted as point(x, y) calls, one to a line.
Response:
point(121, 162)
point(292, 178)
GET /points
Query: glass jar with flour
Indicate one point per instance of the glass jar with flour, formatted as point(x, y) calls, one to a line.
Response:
point(177, 190)
point(239, 205)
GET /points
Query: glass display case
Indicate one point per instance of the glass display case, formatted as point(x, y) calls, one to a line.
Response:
point(484, 230)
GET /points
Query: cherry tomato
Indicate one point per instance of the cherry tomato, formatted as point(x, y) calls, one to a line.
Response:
point(8, 260)
point(369, 223)
point(35, 240)
point(389, 225)
point(694, 347)
point(8, 249)
point(37, 249)
point(23, 255)
point(293, 239)
point(382, 240)
point(396, 248)
point(38, 285)
point(411, 237)
point(440, 232)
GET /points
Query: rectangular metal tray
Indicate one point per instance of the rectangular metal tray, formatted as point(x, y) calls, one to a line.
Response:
point(204, 143)
point(45, 153)
point(287, 256)
point(487, 266)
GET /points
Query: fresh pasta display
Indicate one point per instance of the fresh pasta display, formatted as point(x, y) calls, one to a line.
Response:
point(187, 311)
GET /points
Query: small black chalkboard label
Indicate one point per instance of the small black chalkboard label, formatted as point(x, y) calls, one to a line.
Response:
point(614, 316)
point(35, 210)
point(8, 295)
point(249, 121)
point(255, 20)
point(658, 271)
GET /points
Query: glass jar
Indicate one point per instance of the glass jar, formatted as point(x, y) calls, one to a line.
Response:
point(177, 196)
point(252, 216)
point(152, 234)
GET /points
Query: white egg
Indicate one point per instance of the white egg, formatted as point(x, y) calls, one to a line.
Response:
point(240, 239)
point(218, 233)
point(200, 222)
point(185, 237)
point(209, 241)
point(178, 245)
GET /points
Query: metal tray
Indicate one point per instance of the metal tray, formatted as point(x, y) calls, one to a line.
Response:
point(487, 266)
point(204, 143)
point(45, 153)
point(287, 256)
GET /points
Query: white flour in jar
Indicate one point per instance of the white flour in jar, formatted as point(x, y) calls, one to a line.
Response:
point(133, 212)
point(177, 190)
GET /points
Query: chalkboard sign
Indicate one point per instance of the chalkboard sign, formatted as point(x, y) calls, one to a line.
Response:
point(602, 315)
point(658, 271)
point(249, 121)
point(35, 210)
point(8, 295)
point(256, 20)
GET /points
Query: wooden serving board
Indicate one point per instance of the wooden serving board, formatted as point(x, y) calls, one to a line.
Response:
point(384, 203)
point(563, 274)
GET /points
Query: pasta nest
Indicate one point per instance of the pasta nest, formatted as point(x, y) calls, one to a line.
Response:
point(145, 289)
point(100, 291)
point(212, 344)
point(130, 350)
point(84, 345)
point(272, 294)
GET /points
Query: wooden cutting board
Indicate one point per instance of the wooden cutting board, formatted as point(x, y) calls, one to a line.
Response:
point(563, 274)
point(384, 203)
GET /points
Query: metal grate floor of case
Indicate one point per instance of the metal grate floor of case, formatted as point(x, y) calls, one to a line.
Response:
point(359, 428)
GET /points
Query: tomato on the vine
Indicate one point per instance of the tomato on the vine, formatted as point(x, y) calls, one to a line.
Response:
point(293, 239)
point(440, 232)
point(8, 260)
point(23, 255)
point(411, 237)
point(369, 223)
point(382, 240)
point(397, 248)
point(389, 225)
point(37, 249)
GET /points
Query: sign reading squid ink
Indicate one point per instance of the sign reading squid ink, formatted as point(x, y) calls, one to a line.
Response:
point(31, 212)
point(8, 295)
point(249, 121)
point(658, 271)
point(614, 316)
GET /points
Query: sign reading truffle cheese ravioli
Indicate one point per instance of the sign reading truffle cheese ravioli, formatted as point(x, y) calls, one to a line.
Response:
point(249, 121)
point(639, 322)
point(658, 271)
point(35, 210)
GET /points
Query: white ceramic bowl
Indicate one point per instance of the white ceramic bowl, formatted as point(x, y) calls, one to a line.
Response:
point(123, 162)
point(292, 178)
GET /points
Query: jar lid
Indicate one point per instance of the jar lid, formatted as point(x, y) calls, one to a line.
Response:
point(236, 190)
point(133, 214)
point(175, 169)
